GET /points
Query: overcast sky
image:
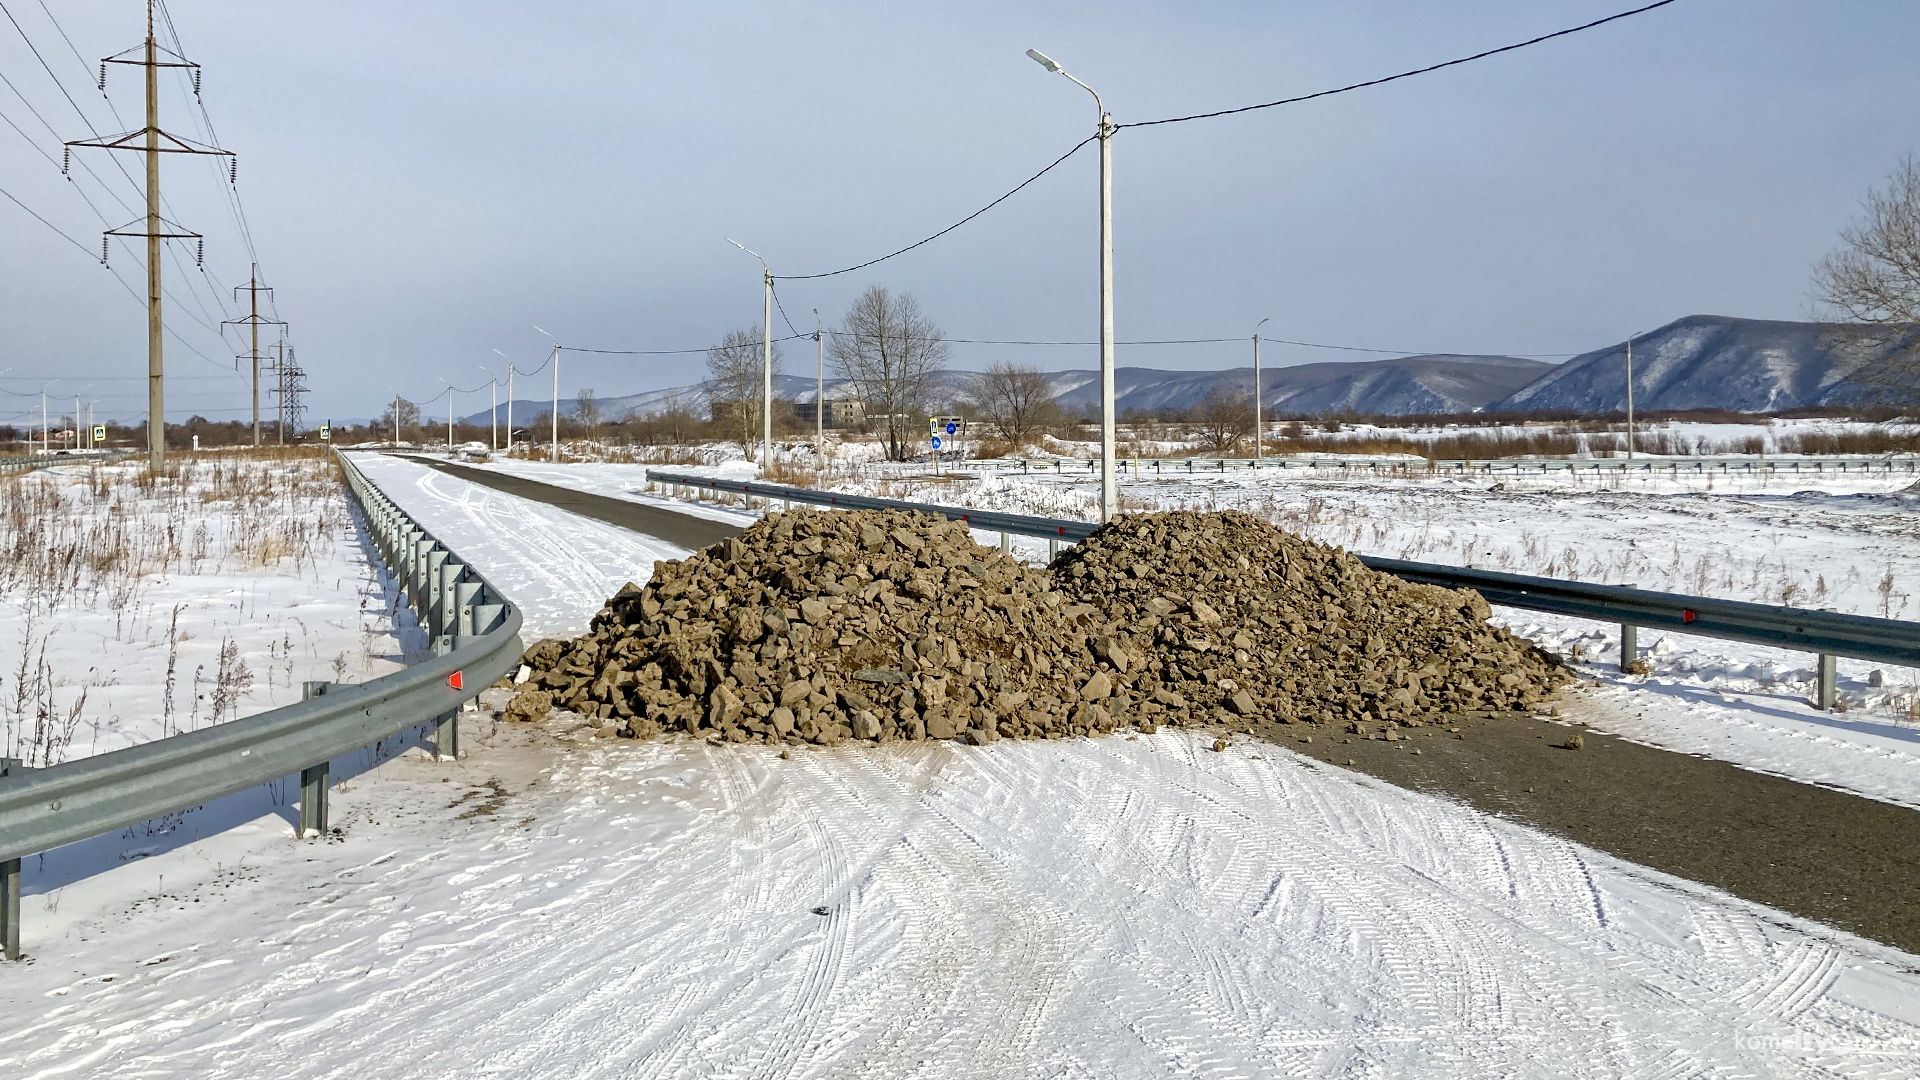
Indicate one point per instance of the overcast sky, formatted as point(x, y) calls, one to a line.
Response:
point(426, 182)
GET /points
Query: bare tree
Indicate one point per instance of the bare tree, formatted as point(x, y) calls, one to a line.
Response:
point(888, 352)
point(409, 418)
point(1223, 418)
point(586, 409)
point(1015, 400)
point(733, 383)
point(1870, 287)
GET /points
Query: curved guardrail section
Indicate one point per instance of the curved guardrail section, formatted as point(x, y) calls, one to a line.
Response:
point(1825, 632)
point(474, 629)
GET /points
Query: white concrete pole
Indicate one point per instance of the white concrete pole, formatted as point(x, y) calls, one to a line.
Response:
point(1109, 488)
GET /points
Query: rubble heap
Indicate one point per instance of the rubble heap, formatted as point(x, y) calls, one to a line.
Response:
point(825, 626)
point(1241, 619)
point(874, 625)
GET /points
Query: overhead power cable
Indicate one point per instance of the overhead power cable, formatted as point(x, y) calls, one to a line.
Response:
point(660, 352)
point(84, 249)
point(1229, 112)
point(948, 229)
point(1404, 74)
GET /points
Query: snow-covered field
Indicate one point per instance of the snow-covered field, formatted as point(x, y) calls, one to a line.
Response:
point(131, 611)
point(1102, 908)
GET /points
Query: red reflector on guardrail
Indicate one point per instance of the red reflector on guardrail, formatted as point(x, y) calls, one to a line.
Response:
point(1687, 615)
point(453, 680)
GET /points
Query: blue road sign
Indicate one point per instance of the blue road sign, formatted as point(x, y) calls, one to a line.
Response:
point(936, 442)
point(952, 427)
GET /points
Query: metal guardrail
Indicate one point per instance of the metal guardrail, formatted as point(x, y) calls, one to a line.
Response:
point(36, 461)
point(1844, 464)
point(1827, 633)
point(474, 629)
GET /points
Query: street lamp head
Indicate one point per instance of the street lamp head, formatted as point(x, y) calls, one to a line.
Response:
point(1046, 61)
point(1262, 322)
point(750, 251)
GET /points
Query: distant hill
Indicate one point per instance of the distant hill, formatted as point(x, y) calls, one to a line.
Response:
point(1699, 362)
point(1702, 362)
point(1395, 387)
point(1412, 384)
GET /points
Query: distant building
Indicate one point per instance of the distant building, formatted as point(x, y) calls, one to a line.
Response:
point(841, 412)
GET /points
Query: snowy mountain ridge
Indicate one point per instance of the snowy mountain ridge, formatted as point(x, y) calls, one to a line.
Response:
point(1696, 362)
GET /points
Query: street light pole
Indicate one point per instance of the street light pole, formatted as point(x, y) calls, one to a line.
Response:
point(819, 385)
point(1256, 387)
point(493, 412)
point(503, 356)
point(1109, 489)
point(555, 361)
point(766, 355)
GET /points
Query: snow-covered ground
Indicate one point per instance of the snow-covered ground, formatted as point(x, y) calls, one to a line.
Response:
point(130, 611)
point(1107, 908)
point(1115, 908)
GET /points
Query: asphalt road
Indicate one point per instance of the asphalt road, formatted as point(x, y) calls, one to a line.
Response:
point(1839, 858)
point(684, 530)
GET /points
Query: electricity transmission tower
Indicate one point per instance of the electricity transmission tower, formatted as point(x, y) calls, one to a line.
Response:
point(253, 289)
point(153, 142)
point(290, 383)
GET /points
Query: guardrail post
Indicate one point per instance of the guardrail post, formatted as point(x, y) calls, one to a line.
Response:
point(1053, 550)
point(10, 886)
point(446, 726)
point(1823, 697)
point(313, 780)
point(1629, 645)
point(1006, 542)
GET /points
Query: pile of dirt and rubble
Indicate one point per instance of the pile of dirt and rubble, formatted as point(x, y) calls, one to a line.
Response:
point(874, 625)
point(1241, 619)
point(824, 626)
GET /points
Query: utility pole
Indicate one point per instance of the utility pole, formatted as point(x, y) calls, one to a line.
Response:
point(766, 384)
point(509, 409)
point(1256, 387)
point(1109, 488)
point(254, 322)
point(153, 142)
point(396, 419)
point(449, 419)
point(556, 403)
point(766, 359)
point(819, 385)
point(46, 446)
point(493, 413)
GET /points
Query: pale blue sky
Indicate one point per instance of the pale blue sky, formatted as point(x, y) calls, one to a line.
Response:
point(427, 181)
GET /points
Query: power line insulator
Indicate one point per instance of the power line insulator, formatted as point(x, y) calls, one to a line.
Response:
point(196, 82)
point(233, 170)
point(66, 159)
point(103, 75)
point(200, 256)
point(103, 250)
